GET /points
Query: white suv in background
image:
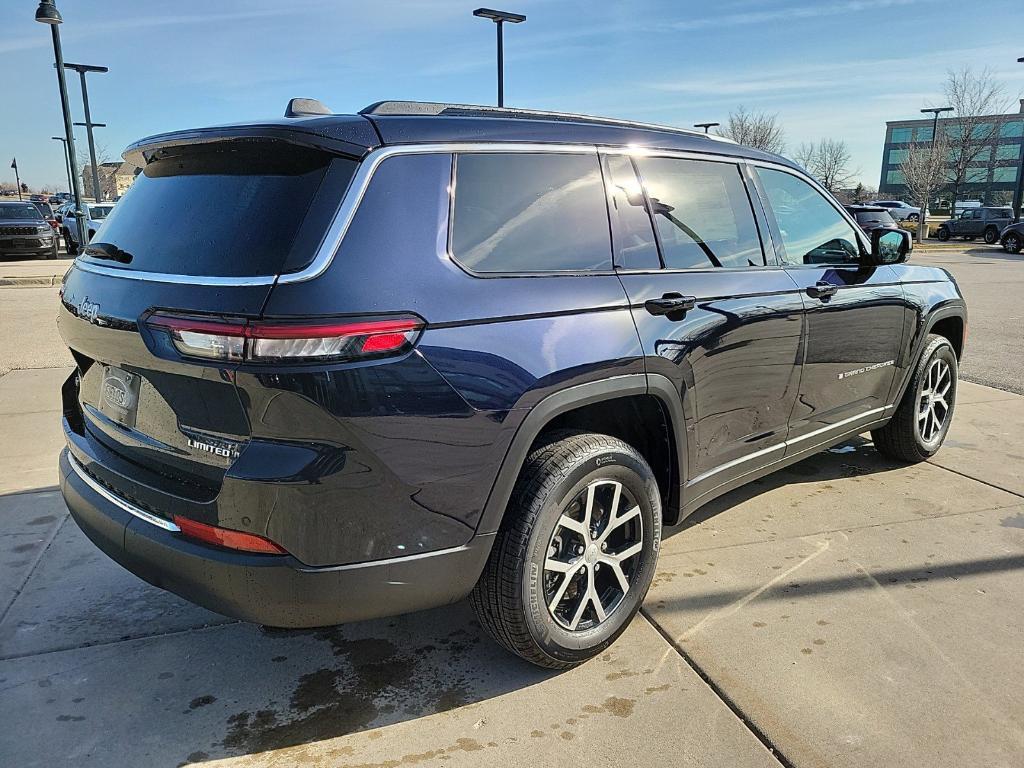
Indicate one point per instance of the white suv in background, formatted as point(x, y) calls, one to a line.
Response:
point(95, 213)
point(898, 209)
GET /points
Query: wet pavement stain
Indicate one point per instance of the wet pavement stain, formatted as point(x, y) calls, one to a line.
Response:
point(1016, 521)
point(44, 520)
point(373, 678)
point(613, 705)
point(200, 701)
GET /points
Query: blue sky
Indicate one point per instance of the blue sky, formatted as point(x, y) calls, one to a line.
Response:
point(829, 68)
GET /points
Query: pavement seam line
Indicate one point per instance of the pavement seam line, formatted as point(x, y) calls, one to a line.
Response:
point(118, 641)
point(835, 530)
point(724, 697)
point(32, 570)
point(983, 482)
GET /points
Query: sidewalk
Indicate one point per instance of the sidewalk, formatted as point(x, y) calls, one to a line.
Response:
point(845, 612)
point(34, 272)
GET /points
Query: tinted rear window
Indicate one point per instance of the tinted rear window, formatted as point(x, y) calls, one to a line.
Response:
point(237, 209)
point(519, 212)
point(875, 217)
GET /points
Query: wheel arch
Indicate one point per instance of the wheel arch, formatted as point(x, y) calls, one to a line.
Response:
point(578, 407)
point(948, 319)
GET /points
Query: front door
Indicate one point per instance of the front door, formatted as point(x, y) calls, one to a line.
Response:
point(854, 314)
point(713, 317)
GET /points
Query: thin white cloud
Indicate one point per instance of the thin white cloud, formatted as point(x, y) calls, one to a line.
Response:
point(793, 13)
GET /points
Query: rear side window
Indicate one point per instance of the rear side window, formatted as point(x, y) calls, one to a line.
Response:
point(523, 212)
point(702, 212)
point(231, 209)
point(635, 244)
point(813, 231)
point(881, 218)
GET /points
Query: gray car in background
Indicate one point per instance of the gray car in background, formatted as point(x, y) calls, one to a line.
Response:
point(24, 231)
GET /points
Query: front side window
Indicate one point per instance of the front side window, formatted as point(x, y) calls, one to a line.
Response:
point(524, 212)
point(702, 213)
point(813, 231)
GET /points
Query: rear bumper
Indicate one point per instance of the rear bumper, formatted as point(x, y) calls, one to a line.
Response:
point(274, 590)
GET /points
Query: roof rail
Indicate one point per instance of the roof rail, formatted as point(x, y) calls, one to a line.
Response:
point(433, 108)
point(301, 107)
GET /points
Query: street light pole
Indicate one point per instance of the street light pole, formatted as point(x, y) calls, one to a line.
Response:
point(499, 18)
point(81, 69)
point(67, 162)
point(705, 126)
point(47, 13)
point(1018, 193)
point(922, 226)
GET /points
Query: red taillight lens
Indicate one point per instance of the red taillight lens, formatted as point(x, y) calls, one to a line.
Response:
point(261, 341)
point(225, 537)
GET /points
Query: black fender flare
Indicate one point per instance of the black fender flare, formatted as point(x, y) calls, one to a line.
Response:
point(949, 308)
point(569, 399)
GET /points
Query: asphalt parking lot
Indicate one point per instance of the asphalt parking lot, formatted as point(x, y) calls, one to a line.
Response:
point(846, 611)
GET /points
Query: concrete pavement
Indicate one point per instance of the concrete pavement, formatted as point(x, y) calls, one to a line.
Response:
point(845, 611)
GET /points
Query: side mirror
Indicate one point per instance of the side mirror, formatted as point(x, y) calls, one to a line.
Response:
point(890, 246)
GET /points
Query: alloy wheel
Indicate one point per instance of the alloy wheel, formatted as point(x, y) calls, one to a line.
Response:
point(593, 555)
point(933, 405)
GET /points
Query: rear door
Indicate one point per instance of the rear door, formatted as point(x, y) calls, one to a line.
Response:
point(854, 314)
point(714, 317)
point(202, 234)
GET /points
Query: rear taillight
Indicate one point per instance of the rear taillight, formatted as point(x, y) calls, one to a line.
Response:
point(226, 537)
point(269, 342)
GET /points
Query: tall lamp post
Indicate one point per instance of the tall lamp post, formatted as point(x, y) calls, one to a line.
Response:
point(81, 69)
point(47, 13)
point(499, 18)
point(922, 226)
point(1018, 193)
point(705, 126)
point(67, 162)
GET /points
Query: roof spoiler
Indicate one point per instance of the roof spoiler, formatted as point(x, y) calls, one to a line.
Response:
point(300, 107)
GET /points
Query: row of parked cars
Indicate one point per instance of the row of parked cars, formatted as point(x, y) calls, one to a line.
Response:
point(35, 228)
point(994, 224)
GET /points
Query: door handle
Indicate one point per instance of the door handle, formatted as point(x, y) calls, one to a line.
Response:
point(822, 290)
point(670, 303)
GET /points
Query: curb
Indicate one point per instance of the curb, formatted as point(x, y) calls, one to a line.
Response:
point(31, 282)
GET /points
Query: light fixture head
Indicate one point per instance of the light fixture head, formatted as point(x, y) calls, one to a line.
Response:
point(47, 13)
point(497, 16)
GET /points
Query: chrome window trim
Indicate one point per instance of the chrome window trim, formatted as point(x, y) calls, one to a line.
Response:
point(117, 501)
point(361, 180)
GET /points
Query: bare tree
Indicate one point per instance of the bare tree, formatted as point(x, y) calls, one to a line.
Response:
point(828, 161)
point(972, 96)
point(924, 170)
point(759, 130)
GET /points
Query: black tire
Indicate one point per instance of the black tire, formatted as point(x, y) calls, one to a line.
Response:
point(913, 217)
point(511, 599)
point(70, 245)
point(943, 234)
point(991, 236)
point(902, 437)
point(1012, 243)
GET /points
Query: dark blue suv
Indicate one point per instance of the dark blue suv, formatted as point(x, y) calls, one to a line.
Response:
point(335, 367)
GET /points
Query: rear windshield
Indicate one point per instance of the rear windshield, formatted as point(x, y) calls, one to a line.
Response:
point(99, 211)
point(231, 209)
point(19, 211)
point(874, 217)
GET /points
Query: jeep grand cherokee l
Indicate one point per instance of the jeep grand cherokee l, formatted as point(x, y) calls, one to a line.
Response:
point(24, 231)
point(445, 351)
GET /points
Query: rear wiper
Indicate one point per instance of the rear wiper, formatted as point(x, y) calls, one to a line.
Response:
point(107, 251)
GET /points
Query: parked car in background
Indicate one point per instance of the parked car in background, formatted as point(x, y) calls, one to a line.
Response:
point(898, 209)
point(46, 210)
point(871, 217)
point(450, 350)
point(986, 222)
point(24, 231)
point(55, 200)
point(37, 198)
point(1012, 238)
point(95, 214)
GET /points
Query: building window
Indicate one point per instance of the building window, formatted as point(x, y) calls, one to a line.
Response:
point(1004, 175)
point(894, 177)
point(1012, 130)
point(984, 155)
point(983, 131)
point(897, 156)
point(901, 135)
point(1008, 152)
point(924, 134)
point(976, 175)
